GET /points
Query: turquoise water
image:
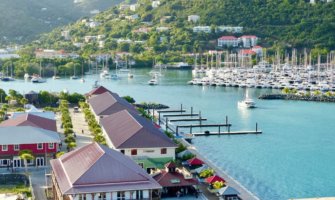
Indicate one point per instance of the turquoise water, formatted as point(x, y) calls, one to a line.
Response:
point(294, 157)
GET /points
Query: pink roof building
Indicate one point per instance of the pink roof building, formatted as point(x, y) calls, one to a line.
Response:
point(249, 40)
point(228, 41)
point(97, 172)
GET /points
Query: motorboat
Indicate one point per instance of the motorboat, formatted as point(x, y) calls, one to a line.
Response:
point(247, 102)
point(153, 81)
point(37, 79)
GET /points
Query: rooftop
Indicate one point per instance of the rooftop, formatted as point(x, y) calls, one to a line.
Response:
point(28, 119)
point(128, 130)
point(96, 168)
point(27, 135)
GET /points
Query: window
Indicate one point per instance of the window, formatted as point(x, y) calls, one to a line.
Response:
point(163, 151)
point(102, 196)
point(122, 151)
point(4, 162)
point(82, 196)
point(139, 194)
point(121, 196)
point(134, 152)
point(40, 146)
point(51, 146)
point(16, 147)
point(4, 147)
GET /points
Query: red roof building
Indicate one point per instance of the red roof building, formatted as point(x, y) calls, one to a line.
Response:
point(173, 180)
point(136, 136)
point(249, 40)
point(228, 41)
point(31, 120)
point(214, 179)
point(97, 172)
point(195, 162)
point(97, 91)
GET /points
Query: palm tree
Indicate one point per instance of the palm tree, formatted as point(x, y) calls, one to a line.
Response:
point(2, 115)
point(26, 155)
point(24, 101)
point(71, 146)
point(59, 154)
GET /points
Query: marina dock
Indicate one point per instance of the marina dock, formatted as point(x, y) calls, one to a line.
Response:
point(227, 133)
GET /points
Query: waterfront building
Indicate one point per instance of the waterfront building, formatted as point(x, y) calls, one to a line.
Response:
point(96, 91)
point(139, 138)
point(228, 193)
point(95, 172)
point(174, 179)
point(5, 54)
point(52, 54)
point(43, 144)
point(123, 6)
point(205, 29)
point(108, 103)
point(28, 119)
point(228, 41)
point(193, 18)
point(248, 40)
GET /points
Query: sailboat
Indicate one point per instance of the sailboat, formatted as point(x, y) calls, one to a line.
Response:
point(8, 78)
point(82, 74)
point(153, 81)
point(130, 75)
point(38, 78)
point(74, 77)
point(247, 102)
point(55, 74)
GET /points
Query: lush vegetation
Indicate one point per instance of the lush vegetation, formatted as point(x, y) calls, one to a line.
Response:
point(22, 21)
point(93, 125)
point(281, 25)
point(70, 138)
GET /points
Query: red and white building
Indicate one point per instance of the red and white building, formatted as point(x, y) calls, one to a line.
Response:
point(248, 40)
point(258, 50)
point(43, 143)
point(228, 41)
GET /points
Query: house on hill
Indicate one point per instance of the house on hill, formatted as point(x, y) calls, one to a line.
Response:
point(95, 172)
point(228, 41)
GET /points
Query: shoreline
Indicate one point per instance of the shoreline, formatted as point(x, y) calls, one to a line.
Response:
point(296, 97)
point(245, 194)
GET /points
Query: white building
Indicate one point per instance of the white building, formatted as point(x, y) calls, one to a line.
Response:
point(155, 4)
point(228, 41)
point(205, 29)
point(193, 18)
point(133, 7)
point(249, 40)
point(230, 29)
point(66, 34)
point(162, 29)
point(4, 54)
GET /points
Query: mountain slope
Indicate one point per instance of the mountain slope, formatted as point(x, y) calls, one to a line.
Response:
point(22, 21)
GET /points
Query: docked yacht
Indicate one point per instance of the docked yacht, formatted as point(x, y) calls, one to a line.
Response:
point(37, 79)
point(153, 81)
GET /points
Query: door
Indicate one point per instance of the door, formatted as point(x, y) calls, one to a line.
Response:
point(16, 163)
point(40, 161)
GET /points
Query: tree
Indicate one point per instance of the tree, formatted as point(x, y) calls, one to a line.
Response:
point(23, 101)
point(71, 146)
point(129, 99)
point(59, 154)
point(26, 155)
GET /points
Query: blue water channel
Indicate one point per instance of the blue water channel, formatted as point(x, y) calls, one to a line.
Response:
point(293, 158)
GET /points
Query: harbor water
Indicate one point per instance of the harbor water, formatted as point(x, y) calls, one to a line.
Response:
point(293, 158)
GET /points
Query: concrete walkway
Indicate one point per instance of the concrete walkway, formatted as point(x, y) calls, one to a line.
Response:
point(245, 194)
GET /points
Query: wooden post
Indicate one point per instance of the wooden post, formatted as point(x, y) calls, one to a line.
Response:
point(200, 122)
point(219, 130)
point(181, 108)
point(159, 118)
point(166, 124)
point(256, 127)
point(191, 110)
point(191, 128)
point(177, 131)
point(226, 119)
point(228, 129)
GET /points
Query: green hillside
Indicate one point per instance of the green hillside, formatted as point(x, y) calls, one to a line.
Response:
point(22, 21)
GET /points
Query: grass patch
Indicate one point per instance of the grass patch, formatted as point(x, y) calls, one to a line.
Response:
point(15, 189)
